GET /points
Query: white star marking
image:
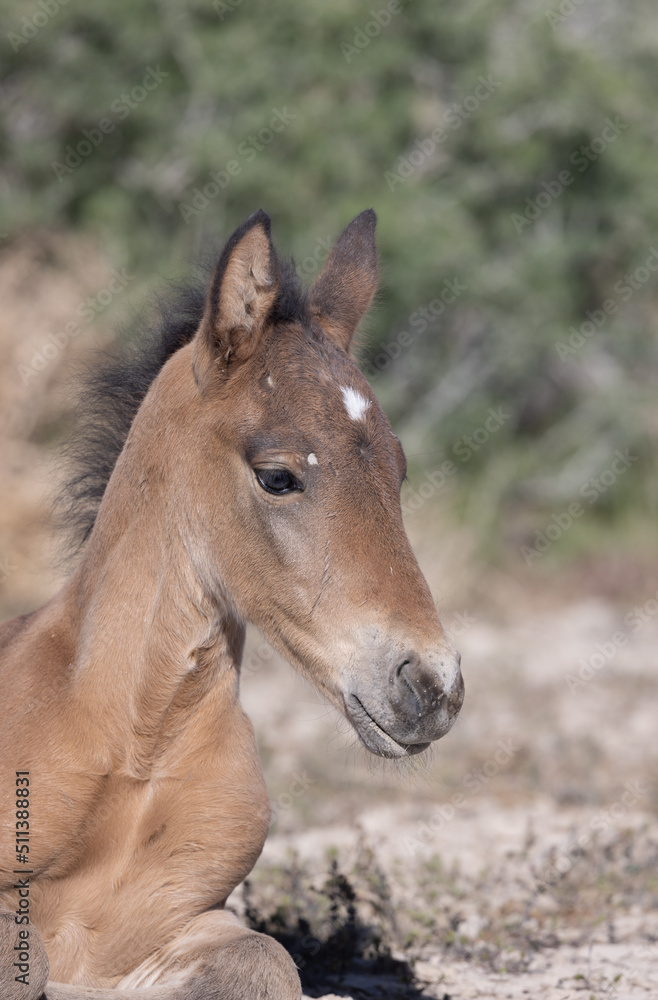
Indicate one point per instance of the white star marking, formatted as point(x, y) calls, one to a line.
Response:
point(355, 404)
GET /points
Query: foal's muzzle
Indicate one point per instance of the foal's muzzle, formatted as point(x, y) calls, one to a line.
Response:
point(418, 704)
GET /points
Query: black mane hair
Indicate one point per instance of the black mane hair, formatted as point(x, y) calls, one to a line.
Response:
point(113, 387)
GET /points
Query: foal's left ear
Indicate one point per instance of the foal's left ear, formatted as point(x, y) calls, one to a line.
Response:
point(242, 292)
point(341, 296)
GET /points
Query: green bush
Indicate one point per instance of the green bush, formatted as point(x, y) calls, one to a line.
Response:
point(515, 94)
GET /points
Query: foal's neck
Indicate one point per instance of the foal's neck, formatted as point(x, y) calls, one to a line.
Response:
point(158, 644)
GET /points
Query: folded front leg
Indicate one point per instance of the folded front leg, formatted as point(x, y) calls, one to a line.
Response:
point(216, 958)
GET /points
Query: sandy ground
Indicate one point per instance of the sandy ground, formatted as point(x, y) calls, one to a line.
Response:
point(521, 858)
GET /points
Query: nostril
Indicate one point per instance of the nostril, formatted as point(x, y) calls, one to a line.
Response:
point(405, 683)
point(400, 667)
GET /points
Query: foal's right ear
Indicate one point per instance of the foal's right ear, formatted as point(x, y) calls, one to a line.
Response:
point(242, 293)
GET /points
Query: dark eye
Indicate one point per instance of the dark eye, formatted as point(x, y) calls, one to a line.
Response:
point(278, 481)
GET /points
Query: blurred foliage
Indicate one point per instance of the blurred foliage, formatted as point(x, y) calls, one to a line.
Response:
point(483, 208)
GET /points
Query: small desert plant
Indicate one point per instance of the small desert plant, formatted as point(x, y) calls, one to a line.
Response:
point(338, 925)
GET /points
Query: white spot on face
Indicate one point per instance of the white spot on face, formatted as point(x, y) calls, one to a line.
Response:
point(270, 382)
point(312, 460)
point(355, 404)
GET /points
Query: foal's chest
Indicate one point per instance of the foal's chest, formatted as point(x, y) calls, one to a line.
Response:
point(152, 854)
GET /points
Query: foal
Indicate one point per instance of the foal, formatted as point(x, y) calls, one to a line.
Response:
point(259, 481)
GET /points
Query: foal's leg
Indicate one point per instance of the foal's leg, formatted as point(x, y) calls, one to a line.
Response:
point(217, 958)
point(214, 958)
point(12, 947)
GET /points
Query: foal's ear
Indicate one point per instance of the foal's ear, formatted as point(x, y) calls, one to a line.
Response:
point(344, 290)
point(242, 292)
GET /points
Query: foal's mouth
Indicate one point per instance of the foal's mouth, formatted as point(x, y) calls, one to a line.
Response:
point(371, 734)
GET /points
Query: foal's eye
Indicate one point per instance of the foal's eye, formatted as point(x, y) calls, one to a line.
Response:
point(278, 481)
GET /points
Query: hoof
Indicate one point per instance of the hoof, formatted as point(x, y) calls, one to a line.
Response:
point(256, 967)
point(23, 960)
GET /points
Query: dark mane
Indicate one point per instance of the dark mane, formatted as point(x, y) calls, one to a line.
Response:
point(113, 389)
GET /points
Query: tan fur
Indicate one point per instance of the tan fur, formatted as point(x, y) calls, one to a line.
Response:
point(120, 696)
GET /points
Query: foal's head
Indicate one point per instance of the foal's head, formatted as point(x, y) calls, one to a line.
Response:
point(298, 517)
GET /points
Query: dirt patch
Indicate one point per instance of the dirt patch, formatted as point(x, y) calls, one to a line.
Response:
point(369, 924)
